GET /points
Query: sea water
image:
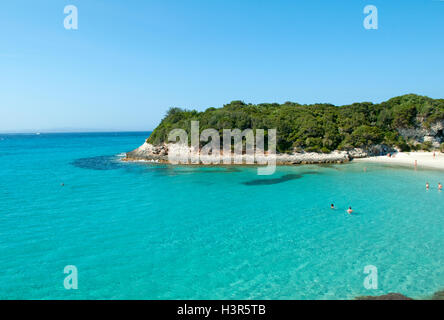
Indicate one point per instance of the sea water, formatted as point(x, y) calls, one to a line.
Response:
point(150, 231)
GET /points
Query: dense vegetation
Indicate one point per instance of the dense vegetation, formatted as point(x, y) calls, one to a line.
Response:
point(316, 127)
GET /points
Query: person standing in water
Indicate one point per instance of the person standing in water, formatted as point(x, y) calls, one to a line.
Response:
point(439, 186)
point(350, 211)
point(427, 186)
point(332, 206)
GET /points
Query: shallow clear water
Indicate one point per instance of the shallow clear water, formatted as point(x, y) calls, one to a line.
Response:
point(146, 231)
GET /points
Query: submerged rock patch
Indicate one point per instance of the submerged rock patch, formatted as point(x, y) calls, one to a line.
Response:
point(284, 178)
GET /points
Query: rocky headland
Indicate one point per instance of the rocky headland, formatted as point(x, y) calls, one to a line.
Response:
point(313, 134)
point(151, 153)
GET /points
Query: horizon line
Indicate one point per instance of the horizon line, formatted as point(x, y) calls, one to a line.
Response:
point(36, 132)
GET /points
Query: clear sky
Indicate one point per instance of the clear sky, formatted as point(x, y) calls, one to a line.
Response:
point(129, 61)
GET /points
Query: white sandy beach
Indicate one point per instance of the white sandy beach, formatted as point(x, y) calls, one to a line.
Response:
point(422, 159)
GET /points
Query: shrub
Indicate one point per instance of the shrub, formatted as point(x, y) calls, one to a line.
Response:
point(427, 146)
point(404, 146)
point(325, 150)
point(366, 136)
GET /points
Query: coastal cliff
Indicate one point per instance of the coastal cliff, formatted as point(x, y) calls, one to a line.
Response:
point(318, 133)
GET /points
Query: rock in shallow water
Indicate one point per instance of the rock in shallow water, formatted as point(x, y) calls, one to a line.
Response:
point(438, 295)
point(389, 296)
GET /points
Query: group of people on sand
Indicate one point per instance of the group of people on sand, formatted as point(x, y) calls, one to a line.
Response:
point(439, 186)
point(349, 210)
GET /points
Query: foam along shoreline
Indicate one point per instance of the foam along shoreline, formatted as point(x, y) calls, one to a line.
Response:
point(409, 159)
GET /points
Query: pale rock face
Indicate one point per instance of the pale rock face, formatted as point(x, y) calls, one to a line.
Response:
point(380, 149)
point(437, 128)
point(357, 153)
point(415, 134)
point(148, 152)
point(435, 134)
point(436, 141)
point(375, 150)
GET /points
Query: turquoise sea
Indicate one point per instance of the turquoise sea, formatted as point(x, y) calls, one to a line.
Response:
point(148, 231)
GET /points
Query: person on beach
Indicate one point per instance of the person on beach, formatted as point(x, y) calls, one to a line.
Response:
point(427, 186)
point(439, 186)
point(350, 211)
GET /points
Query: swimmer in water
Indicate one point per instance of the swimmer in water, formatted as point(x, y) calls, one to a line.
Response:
point(427, 186)
point(350, 211)
point(332, 206)
point(439, 186)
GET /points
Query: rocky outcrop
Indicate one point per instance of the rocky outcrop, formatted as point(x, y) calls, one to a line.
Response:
point(389, 296)
point(421, 134)
point(312, 158)
point(376, 150)
point(149, 152)
point(438, 295)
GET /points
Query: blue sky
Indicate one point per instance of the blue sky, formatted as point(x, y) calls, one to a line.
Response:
point(130, 61)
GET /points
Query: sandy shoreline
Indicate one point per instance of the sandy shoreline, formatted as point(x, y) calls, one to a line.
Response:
point(408, 159)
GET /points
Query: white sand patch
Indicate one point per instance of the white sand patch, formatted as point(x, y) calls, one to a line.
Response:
point(422, 159)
